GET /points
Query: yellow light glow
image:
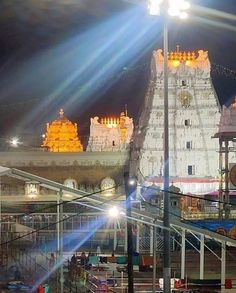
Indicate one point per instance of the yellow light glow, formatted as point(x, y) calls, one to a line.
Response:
point(188, 63)
point(110, 125)
point(175, 63)
point(62, 136)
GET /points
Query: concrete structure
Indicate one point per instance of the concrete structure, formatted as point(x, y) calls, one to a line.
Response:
point(88, 169)
point(194, 114)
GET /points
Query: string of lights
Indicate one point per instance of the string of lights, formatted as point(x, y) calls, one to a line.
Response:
point(217, 69)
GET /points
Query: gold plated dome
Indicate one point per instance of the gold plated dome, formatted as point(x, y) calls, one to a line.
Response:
point(62, 136)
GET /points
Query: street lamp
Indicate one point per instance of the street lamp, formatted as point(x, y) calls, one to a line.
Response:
point(14, 142)
point(113, 212)
point(130, 191)
point(173, 8)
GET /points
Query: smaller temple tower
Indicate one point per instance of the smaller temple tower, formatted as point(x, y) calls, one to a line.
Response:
point(62, 136)
point(110, 134)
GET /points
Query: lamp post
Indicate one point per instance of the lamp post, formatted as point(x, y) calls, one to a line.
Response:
point(130, 189)
point(173, 8)
point(114, 213)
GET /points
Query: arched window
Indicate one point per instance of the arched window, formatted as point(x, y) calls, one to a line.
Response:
point(72, 183)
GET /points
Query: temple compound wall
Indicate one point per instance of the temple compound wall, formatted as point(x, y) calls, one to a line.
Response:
point(89, 171)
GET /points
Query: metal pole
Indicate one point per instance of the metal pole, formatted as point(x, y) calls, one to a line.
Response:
point(226, 197)
point(130, 248)
point(126, 238)
point(221, 179)
point(58, 225)
point(183, 255)
point(115, 236)
point(154, 259)
point(151, 239)
point(1, 248)
point(61, 242)
point(202, 248)
point(166, 217)
point(223, 259)
point(129, 234)
point(137, 238)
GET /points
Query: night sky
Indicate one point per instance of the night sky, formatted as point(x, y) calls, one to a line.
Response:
point(91, 57)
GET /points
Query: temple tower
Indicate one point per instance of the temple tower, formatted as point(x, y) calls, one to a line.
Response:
point(194, 114)
point(62, 135)
point(110, 134)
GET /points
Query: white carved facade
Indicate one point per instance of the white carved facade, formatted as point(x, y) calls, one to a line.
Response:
point(110, 134)
point(228, 119)
point(194, 114)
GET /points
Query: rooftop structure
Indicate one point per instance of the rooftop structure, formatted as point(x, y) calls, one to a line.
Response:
point(110, 134)
point(228, 119)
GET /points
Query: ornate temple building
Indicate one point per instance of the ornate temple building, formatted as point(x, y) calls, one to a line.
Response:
point(110, 134)
point(62, 136)
point(194, 114)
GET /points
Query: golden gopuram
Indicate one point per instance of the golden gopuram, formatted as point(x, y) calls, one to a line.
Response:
point(62, 135)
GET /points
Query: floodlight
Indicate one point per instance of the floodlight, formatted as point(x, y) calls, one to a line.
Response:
point(113, 212)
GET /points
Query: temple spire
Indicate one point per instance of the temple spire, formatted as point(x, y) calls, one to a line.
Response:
point(62, 135)
point(61, 112)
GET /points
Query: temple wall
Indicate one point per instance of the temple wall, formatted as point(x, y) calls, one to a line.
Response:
point(43, 159)
point(88, 169)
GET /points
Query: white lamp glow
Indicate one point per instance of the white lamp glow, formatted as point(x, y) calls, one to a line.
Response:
point(32, 189)
point(154, 7)
point(14, 142)
point(183, 15)
point(113, 212)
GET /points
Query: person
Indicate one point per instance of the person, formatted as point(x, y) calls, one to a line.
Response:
point(52, 261)
point(83, 258)
point(99, 250)
point(73, 260)
point(17, 274)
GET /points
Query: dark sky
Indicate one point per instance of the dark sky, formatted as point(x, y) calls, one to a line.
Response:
point(91, 57)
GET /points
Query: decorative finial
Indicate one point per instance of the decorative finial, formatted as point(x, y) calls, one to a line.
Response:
point(177, 48)
point(61, 112)
point(126, 112)
point(234, 103)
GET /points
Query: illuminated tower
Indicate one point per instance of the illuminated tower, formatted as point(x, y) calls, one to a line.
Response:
point(194, 114)
point(62, 136)
point(110, 134)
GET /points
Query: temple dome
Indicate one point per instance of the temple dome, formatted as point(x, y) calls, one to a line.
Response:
point(62, 135)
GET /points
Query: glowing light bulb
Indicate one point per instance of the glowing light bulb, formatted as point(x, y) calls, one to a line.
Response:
point(183, 15)
point(14, 142)
point(113, 212)
point(154, 7)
